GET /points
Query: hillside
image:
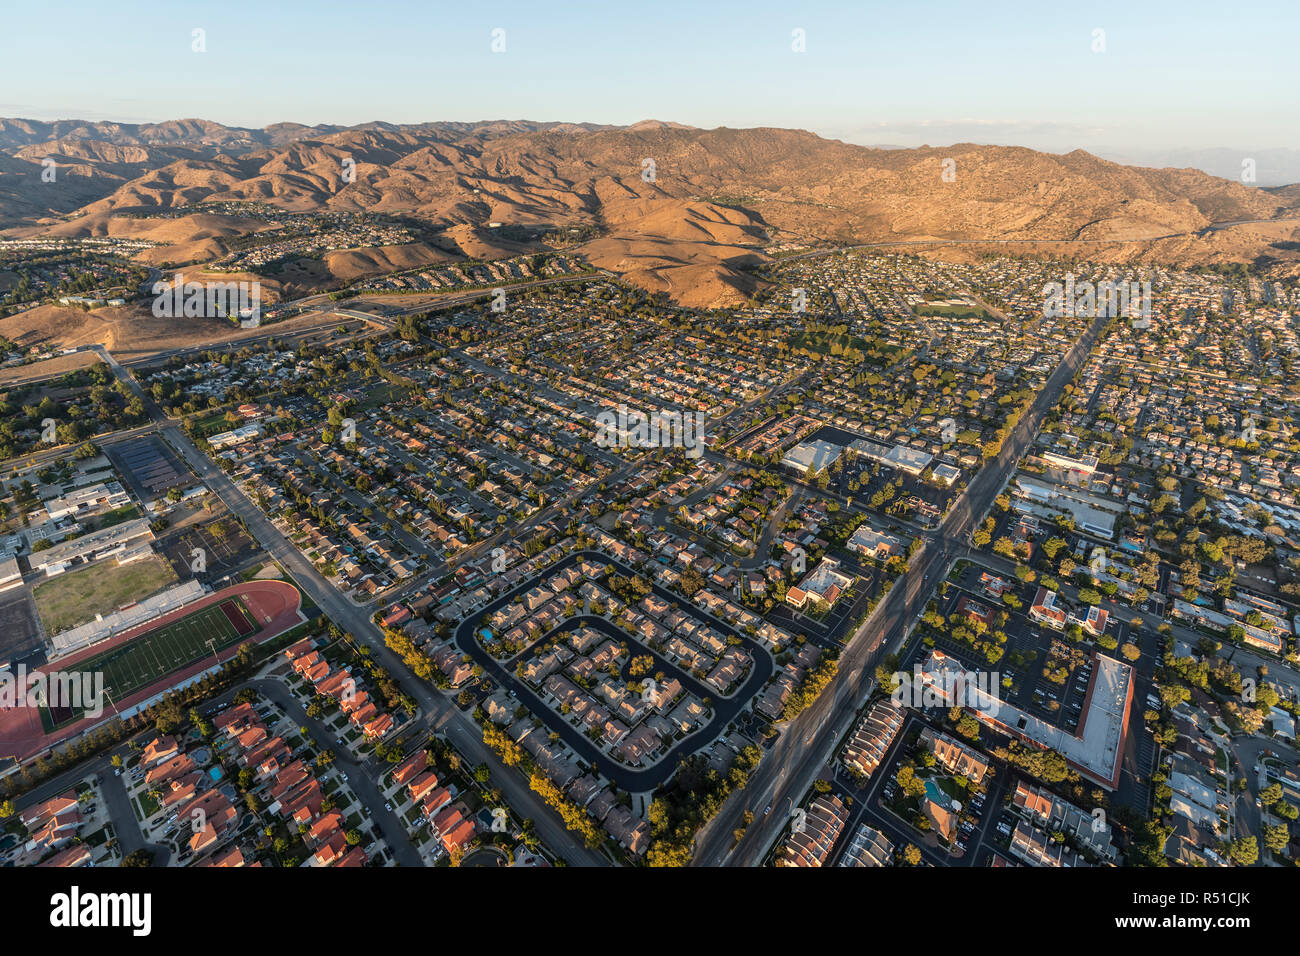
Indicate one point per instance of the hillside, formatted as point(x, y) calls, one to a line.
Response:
point(689, 224)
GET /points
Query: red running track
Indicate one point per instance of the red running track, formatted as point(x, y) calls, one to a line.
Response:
point(276, 606)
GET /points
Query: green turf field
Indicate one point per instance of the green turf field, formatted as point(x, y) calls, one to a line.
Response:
point(162, 651)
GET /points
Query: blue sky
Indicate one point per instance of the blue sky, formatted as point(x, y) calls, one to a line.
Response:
point(1189, 74)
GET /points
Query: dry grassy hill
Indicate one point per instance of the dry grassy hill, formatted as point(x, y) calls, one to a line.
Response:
point(716, 198)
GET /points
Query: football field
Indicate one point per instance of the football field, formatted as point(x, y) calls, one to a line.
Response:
point(157, 653)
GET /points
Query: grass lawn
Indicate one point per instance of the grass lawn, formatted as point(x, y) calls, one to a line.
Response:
point(76, 597)
point(949, 786)
point(952, 311)
point(116, 516)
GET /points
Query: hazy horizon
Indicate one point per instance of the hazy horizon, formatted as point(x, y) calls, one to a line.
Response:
point(1166, 77)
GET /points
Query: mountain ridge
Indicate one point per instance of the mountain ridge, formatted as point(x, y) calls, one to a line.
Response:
point(675, 208)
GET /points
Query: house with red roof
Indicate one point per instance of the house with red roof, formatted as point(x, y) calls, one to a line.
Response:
point(76, 855)
point(159, 749)
point(1045, 609)
point(331, 849)
point(411, 767)
point(376, 728)
point(354, 857)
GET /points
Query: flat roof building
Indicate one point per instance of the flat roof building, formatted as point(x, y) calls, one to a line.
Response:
point(810, 457)
point(97, 544)
point(867, 540)
point(911, 460)
point(1097, 747)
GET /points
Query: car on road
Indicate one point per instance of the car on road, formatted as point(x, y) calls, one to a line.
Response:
point(388, 807)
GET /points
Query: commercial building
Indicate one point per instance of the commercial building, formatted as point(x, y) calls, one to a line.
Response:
point(236, 436)
point(810, 457)
point(116, 539)
point(83, 500)
point(1095, 748)
point(1084, 464)
point(1089, 512)
point(1046, 611)
point(824, 583)
point(876, 544)
point(911, 460)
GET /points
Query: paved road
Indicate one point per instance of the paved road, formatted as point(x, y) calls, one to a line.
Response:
point(117, 802)
point(362, 778)
point(807, 743)
point(634, 780)
point(440, 714)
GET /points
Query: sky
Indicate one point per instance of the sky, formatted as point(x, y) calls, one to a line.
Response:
point(1157, 77)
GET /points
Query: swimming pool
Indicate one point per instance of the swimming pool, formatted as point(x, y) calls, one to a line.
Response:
point(935, 793)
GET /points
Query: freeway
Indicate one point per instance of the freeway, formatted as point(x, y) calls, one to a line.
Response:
point(803, 749)
point(457, 298)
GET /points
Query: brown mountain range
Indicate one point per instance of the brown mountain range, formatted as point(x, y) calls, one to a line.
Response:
point(674, 208)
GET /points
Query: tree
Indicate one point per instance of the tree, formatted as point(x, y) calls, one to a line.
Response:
point(1244, 851)
point(911, 855)
point(1276, 836)
point(169, 716)
point(138, 858)
point(1052, 546)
